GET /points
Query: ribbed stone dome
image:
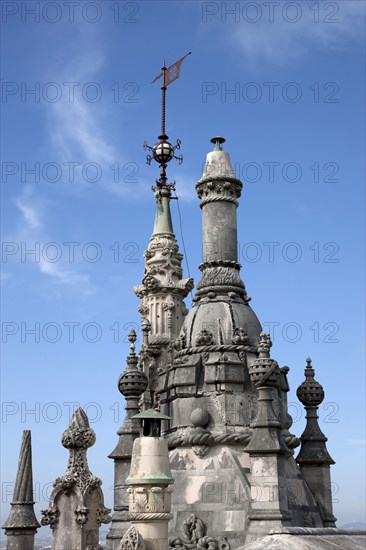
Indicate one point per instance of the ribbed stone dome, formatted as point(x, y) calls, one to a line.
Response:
point(221, 317)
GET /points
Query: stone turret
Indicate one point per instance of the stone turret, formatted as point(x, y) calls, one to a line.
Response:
point(220, 334)
point(132, 383)
point(313, 458)
point(228, 398)
point(267, 449)
point(76, 509)
point(149, 485)
point(22, 525)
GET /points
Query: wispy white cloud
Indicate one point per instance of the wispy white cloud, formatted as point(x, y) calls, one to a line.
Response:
point(185, 188)
point(30, 214)
point(75, 125)
point(281, 41)
point(30, 230)
point(356, 441)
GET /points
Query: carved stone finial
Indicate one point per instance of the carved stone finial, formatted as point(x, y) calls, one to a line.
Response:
point(313, 458)
point(76, 508)
point(132, 337)
point(78, 435)
point(265, 344)
point(310, 392)
point(133, 381)
point(21, 525)
point(264, 371)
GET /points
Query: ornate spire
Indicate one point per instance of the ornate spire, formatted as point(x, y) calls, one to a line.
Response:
point(311, 394)
point(162, 290)
point(132, 383)
point(163, 151)
point(21, 525)
point(313, 458)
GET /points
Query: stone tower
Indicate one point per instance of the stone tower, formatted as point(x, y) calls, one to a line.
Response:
point(231, 451)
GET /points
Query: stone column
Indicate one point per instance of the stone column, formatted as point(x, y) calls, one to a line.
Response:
point(267, 449)
point(219, 190)
point(22, 525)
point(132, 383)
point(76, 509)
point(149, 486)
point(313, 458)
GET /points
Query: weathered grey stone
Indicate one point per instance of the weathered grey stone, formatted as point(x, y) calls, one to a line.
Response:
point(22, 525)
point(132, 383)
point(231, 451)
point(76, 509)
point(295, 538)
point(149, 487)
point(313, 458)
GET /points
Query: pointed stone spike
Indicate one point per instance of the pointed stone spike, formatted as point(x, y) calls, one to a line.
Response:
point(22, 524)
point(79, 420)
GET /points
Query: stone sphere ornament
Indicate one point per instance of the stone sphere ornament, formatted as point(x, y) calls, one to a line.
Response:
point(132, 382)
point(310, 392)
point(199, 418)
point(264, 372)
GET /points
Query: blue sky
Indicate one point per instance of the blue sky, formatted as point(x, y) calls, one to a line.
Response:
point(284, 84)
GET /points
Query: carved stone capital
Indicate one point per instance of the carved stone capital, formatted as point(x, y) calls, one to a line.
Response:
point(213, 190)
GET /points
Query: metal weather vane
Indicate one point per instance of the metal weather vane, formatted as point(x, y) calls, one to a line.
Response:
point(163, 151)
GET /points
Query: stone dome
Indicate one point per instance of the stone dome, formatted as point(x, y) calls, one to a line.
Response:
point(222, 317)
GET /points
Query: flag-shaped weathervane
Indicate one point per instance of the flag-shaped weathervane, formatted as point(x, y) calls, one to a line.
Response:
point(171, 73)
point(163, 151)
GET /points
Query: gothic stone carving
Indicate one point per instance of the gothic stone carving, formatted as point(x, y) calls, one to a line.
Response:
point(204, 338)
point(149, 499)
point(78, 478)
point(194, 537)
point(209, 190)
point(132, 540)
